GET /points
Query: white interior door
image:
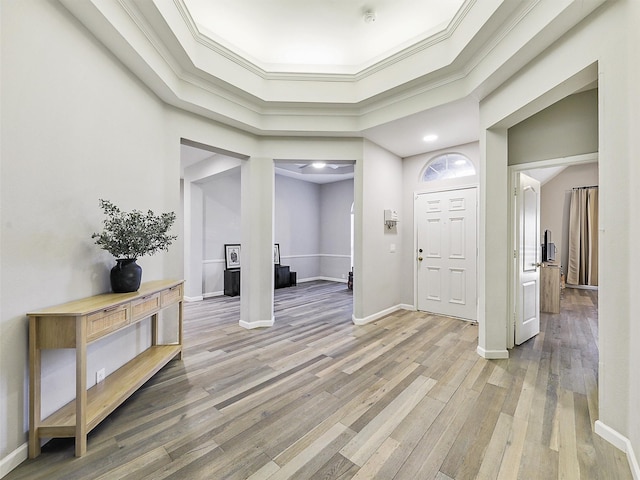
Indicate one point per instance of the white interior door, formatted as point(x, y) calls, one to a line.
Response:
point(447, 251)
point(527, 255)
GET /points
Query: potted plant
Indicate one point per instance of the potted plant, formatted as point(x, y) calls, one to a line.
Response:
point(129, 236)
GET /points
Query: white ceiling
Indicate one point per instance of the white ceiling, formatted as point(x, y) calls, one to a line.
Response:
point(454, 123)
point(543, 175)
point(319, 35)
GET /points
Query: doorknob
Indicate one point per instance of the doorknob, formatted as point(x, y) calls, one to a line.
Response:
point(536, 265)
point(420, 258)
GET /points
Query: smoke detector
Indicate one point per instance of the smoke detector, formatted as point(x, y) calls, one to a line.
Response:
point(369, 16)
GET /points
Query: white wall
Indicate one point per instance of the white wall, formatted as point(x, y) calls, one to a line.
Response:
point(378, 270)
point(555, 203)
point(76, 127)
point(632, 152)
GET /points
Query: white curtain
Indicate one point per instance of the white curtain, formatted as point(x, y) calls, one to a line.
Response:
point(583, 237)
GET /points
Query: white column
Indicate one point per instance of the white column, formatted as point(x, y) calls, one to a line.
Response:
point(193, 218)
point(256, 277)
point(493, 249)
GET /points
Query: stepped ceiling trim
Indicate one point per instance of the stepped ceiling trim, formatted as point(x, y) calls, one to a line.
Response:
point(373, 67)
point(488, 41)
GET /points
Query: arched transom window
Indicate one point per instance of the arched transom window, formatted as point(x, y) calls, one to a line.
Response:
point(449, 165)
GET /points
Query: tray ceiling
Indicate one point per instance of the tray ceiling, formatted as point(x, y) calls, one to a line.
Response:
point(329, 36)
point(394, 86)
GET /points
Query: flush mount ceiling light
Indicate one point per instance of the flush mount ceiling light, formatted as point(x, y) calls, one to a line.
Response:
point(369, 16)
point(430, 138)
point(318, 164)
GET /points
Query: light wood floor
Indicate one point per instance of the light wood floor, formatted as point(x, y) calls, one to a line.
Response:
point(315, 397)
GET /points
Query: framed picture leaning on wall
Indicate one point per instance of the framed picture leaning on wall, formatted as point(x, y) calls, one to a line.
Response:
point(276, 254)
point(231, 256)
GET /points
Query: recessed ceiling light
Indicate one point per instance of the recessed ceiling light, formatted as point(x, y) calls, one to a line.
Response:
point(318, 164)
point(430, 138)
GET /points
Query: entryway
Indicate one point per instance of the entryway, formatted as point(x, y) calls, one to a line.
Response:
point(446, 252)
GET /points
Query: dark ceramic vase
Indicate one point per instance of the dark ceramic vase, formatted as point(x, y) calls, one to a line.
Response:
point(126, 276)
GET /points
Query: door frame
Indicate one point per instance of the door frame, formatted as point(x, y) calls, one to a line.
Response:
point(513, 170)
point(415, 234)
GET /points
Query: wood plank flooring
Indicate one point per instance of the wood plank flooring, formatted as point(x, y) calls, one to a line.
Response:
point(315, 397)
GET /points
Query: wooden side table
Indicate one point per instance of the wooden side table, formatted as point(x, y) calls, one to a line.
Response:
point(550, 288)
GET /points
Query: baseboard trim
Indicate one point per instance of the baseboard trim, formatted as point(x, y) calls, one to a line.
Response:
point(213, 294)
point(328, 279)
point(193, 299)
point(380, 314)
point(492, 354)
point(582, 287)
point(15, 458)
point(299, 280)
point(622, 443)
point(258, 324)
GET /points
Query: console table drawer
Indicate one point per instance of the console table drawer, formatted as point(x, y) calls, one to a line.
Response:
point(172, 295)
point(109, 320)
point(145, 307)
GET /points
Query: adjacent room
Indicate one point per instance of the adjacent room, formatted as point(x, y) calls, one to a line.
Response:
point(313, 221)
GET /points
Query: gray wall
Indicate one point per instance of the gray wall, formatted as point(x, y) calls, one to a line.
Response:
point(568, 127)
point(221, 224)
point(555, 200)
point(312, 224)
point(297, 225)
point(336, 200)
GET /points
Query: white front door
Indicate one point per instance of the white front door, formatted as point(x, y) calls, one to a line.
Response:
point(446, 256)
point(527, 256)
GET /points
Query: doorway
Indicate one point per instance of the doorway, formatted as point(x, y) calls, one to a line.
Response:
point(446, 224)
point(312, 222)
point(567, 172)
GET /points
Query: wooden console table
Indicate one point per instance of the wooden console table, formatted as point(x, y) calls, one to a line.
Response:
point(77, 324)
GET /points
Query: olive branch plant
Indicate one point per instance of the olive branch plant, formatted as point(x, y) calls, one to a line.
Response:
point(130, 235)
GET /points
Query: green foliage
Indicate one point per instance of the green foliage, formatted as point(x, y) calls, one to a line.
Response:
point(134, 234)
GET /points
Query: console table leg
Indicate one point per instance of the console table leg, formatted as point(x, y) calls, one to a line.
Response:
point(180, 318)
point(81, 387)
point(154, 329)
point(34, 390)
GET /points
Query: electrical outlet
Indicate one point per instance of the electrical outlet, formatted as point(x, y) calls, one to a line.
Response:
point(100, 374)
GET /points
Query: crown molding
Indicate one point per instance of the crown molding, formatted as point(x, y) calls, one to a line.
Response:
point(487, 42)
point(356, 73)
point(209, 59)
